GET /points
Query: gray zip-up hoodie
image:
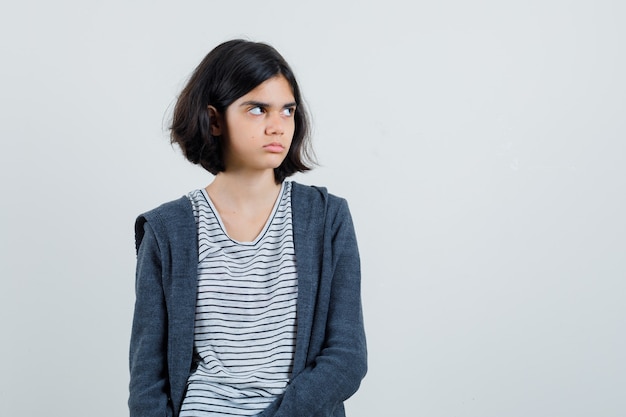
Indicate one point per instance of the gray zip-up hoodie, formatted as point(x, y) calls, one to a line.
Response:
point(330, 359)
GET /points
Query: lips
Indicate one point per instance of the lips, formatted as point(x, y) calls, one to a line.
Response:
point(274, 147)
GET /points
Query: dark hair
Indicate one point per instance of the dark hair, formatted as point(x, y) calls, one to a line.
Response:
point(229, 71)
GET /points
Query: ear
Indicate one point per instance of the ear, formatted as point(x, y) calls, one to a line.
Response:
point(215, 119)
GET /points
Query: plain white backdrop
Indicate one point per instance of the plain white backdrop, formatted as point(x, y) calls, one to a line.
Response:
point(480, 144)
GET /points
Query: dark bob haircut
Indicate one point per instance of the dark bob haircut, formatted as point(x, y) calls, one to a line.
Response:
point(229, 71)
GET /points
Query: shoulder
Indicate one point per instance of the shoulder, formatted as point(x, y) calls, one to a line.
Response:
point(172, 210)
point(316, 197)
point(167, 221)
point(316, 205)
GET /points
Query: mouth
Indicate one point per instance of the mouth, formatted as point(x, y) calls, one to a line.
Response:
point(274, 147)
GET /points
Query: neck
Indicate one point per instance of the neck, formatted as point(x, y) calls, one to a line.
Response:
point(239, 189)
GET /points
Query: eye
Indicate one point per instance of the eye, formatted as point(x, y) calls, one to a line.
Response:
point(289, 111)
point(257, 111)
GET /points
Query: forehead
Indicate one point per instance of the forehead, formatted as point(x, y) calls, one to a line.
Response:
point(275, 90)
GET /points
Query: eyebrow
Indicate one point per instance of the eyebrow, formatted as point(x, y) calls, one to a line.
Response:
point(265, 105)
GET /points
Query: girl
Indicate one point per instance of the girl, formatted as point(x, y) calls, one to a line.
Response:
point(248, 291)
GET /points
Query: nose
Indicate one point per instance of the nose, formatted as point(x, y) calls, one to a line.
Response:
point(275, 125)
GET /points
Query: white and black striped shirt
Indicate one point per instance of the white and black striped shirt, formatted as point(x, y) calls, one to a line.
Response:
point(245, 325)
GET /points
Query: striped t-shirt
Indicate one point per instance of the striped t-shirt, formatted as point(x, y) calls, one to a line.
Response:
point(245, 324)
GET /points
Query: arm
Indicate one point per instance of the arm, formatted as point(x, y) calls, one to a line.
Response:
point(337, 371)
point(148, 361)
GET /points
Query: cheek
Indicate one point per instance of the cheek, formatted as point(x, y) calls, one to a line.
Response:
point(292, 127)
point(240, 132)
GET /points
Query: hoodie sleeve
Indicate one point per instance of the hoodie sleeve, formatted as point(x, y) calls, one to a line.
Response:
point(148, 363)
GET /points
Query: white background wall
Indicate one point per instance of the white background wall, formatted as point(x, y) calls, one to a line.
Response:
point(480, 145)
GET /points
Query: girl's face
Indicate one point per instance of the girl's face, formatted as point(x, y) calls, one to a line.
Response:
point(257, 128)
